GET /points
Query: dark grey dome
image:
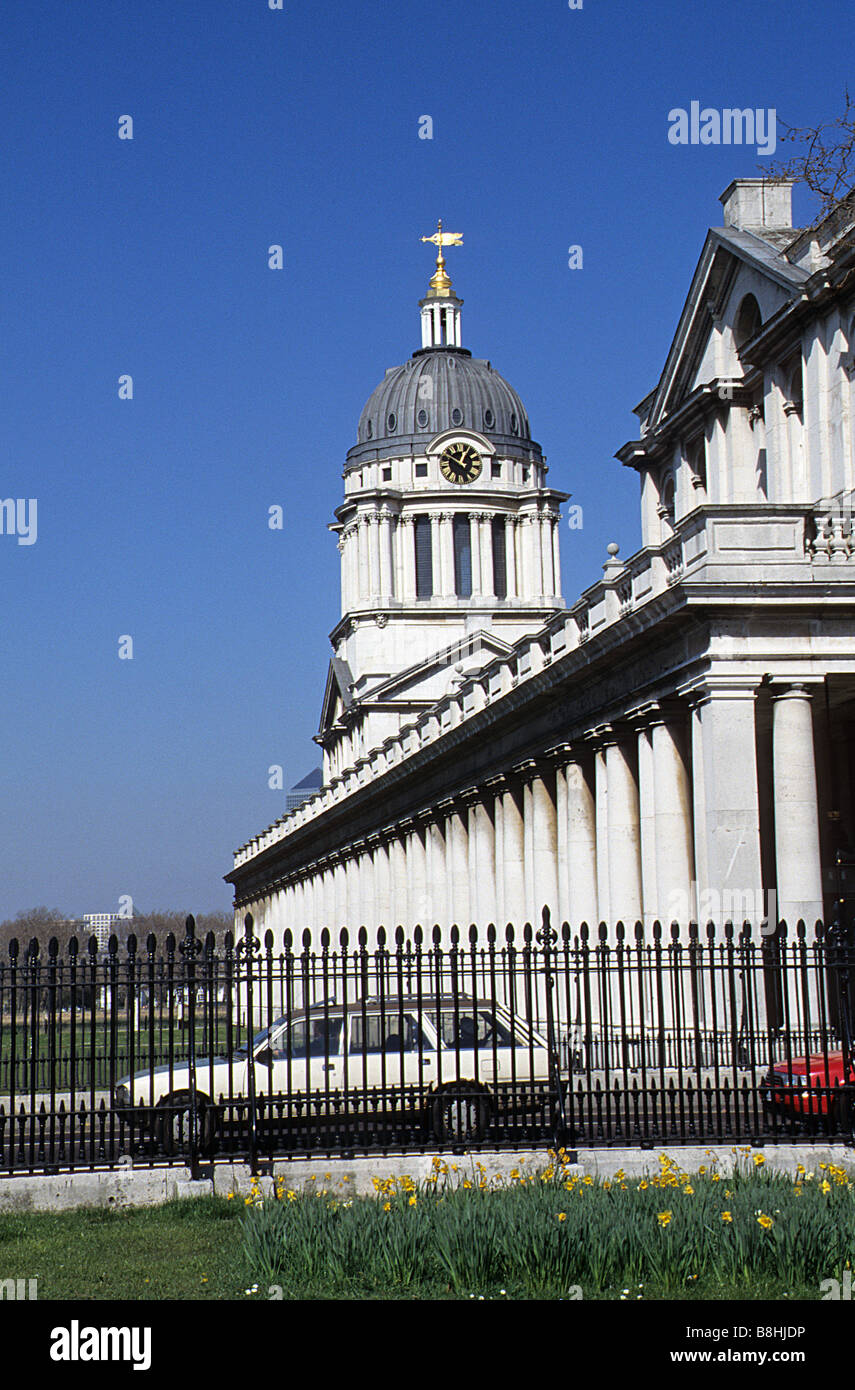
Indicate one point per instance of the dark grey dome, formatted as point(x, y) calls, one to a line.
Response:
point(440, 389)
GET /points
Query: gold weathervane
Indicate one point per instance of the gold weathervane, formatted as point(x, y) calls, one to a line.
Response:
point(440, 283)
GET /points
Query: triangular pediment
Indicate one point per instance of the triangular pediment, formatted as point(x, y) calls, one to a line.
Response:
point(430, 679)
point(338, 696)
point(733, 263)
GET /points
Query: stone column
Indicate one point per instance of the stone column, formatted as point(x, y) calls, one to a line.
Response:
point(446, 554)
point(513, 856)
point(488, 581)
point(362, 524)
point(544, 859)
point(495, 788)
point(675, 869)
point(601, 789)
point(366, 888)
point(374, 553)
point(343, 567)
point(398, 871)
point(556, 553)
point(544, 545)
point(482, 859)
point(382, 884)
point(475, 552)
point(797, 852)
point(353, 919)
point(647, 824)
point(407, 543)
point(624, 833)
point(417, 876)
point(458, 877)
point(437, 871)
point(436, 553)
point(730, 827)
point(385, 547)
point(340, 885)
point(581, 839)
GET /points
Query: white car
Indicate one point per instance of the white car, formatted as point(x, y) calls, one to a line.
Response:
point(468, 1064)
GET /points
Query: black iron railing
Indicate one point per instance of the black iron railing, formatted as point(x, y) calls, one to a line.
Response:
point(183, 1052)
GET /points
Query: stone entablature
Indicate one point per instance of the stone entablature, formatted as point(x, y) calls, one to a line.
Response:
point(733, 555)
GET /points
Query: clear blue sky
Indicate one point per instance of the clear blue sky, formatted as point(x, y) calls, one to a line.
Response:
point(149, 257)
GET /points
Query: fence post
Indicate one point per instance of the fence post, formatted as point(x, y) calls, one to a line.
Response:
point(189, 948)
point(250, 945)
point(547, 937)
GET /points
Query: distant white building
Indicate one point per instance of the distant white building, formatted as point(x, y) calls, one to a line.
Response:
point(677, 740)
point(100, 925)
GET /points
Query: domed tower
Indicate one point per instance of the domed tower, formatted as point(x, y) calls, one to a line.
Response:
point(448, 535)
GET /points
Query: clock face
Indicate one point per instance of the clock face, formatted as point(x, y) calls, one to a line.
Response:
point(460, 463)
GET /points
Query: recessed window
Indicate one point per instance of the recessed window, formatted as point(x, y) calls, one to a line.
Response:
point(424, 558)
point(488, 419)
point(387, 475)
point(391, 422)
point(500, 568)
point(421, 470)
point(495, 470)
point(748, 323)
point(422, 419)
point(456, 416)
point(369, 429)
point(462, 557)
point(514, 426)
point(526, 473)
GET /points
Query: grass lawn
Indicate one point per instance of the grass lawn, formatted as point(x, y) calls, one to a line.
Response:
point(747, 1236)
point(184, 1249)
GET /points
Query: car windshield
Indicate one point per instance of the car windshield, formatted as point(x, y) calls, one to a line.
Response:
point(259, 1040)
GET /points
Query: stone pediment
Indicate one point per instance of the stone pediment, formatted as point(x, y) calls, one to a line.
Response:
point(338, 697)
point(429, 680)
point(733, 263)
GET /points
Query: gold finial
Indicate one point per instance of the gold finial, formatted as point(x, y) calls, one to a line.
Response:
point(440, 283)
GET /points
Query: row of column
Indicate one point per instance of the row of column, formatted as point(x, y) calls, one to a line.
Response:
point(609, 828)
point(378, 558)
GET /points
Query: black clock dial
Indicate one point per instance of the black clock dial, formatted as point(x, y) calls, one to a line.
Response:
point(460, 463)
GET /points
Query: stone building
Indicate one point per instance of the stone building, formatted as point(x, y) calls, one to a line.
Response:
point(675, 741)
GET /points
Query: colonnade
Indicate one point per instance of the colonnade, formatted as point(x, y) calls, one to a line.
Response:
point(653, 816)
point(379, 556)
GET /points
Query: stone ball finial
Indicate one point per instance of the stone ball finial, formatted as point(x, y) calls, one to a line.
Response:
point(613, 549)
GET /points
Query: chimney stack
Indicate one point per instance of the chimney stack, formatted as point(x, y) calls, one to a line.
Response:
point(758, 205)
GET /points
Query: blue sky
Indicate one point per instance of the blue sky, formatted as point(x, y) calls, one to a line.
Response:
point(149, 257)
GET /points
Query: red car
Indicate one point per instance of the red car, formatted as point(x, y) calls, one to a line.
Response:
point(813, 1088)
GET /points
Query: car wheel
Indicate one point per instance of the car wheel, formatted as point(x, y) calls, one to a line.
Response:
point(172, 1124)
point(459, 1114)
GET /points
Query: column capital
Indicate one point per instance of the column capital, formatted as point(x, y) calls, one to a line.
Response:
point(722, 688)
point(798, 690)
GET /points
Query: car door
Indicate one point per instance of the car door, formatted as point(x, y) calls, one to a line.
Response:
point(387, 1051)
point(305, 1057)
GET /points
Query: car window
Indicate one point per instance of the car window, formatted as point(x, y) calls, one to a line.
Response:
point(313, 1037)
point(463, 1030)
point(386, 1033)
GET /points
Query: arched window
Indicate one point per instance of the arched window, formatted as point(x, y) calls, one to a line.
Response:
point(666, 508)
point(748, 323)
point(794, 389)
point(696, 457)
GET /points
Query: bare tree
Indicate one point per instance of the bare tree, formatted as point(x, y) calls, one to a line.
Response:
point(825, 158)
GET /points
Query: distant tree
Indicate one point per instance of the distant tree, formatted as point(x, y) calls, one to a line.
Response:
point(824, 160)
point(41, 923)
